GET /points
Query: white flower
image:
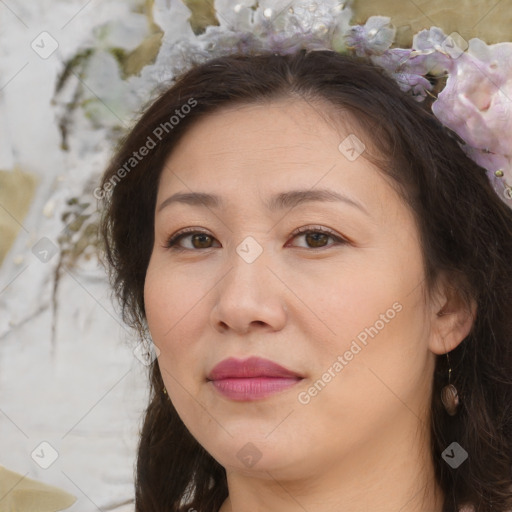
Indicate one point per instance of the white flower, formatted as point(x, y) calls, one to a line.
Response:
point(235, 15)
point(372, 38)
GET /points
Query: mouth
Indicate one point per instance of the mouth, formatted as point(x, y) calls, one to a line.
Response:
point(251, 379)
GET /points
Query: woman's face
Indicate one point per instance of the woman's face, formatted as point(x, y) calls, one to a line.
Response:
point(344, 312)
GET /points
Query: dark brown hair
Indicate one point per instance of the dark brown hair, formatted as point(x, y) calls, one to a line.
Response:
point(465, 230)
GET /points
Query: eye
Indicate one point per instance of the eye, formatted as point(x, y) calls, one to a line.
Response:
point(315, 236)
point(201, 237)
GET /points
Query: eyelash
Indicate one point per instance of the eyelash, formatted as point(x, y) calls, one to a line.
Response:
point(174, 239)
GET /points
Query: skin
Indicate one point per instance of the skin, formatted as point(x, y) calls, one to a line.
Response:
point(361, 443)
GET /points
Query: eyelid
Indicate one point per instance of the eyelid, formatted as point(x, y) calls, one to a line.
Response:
point(173, 240)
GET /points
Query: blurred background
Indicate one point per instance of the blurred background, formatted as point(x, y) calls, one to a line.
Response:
point(72, 79)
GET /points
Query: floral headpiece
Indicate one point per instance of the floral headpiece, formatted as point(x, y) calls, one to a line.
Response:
point(475, 102)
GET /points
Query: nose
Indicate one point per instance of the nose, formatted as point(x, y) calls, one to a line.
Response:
point(250, 296)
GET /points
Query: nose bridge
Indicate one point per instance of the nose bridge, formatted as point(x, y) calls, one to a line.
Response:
point(249, 292)
point(251, 249)
point(248, 262)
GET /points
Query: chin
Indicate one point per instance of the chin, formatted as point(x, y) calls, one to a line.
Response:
point(251, 456)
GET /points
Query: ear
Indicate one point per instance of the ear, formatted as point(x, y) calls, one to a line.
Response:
point(451, 319)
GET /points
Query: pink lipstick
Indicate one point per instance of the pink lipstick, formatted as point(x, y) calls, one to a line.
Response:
point(251, 379)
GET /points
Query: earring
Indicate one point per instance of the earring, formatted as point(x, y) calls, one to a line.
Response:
point(449, 395)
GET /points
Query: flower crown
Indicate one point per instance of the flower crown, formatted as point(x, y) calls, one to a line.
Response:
point(475, 102)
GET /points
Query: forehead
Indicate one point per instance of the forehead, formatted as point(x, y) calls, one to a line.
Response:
point(287, 125)
point(248, 148)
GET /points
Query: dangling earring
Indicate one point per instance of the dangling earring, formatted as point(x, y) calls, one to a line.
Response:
point(449, 395)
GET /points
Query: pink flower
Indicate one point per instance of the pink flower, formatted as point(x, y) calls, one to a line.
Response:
point(407, 68)
point(476, 102)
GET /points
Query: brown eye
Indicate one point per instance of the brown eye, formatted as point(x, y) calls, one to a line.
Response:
point(199, 240)
point(317, 237)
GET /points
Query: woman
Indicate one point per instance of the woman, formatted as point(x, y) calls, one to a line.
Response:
point(306, 245)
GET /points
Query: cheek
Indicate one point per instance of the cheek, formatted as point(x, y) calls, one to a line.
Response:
point(376, 317)
point(386, 352)
point(375, 364)
point(355, 300)
point(172, 312)
point(164, 308)
point(175, 314)
point(169, 297)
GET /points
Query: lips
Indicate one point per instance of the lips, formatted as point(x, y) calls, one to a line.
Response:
point(251, 379)
point(232, 368)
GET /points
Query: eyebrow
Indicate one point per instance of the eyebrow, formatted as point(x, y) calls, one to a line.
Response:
point(280, 201)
